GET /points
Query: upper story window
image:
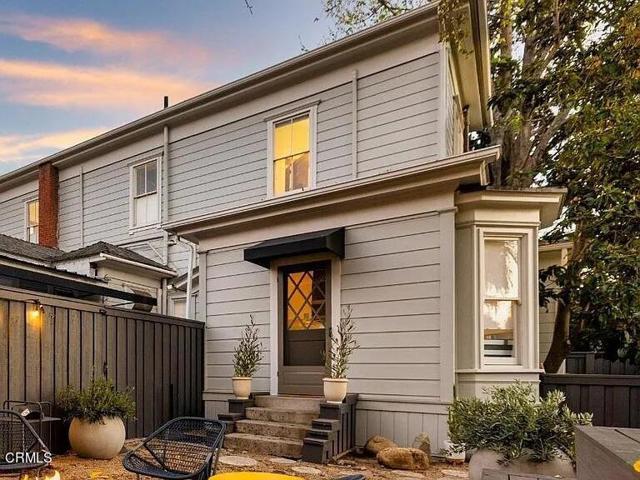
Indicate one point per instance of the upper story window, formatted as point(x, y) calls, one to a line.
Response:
point(501, 298)
point(32, 221)
point(145, 201)
point(292, 152)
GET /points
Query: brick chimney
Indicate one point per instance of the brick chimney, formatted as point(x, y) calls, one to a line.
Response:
point(48, 197)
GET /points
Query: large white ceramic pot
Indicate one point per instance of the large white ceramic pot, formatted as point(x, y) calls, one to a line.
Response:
point(487, 459)
point(101, 440)
point(335, 389)
point(241, 387)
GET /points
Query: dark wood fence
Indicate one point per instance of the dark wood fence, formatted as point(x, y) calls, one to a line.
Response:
point(614, 400)
point(595, 363)
point(160, 357)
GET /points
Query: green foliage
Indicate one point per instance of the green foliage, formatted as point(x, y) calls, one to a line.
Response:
point(100, 399)
point(597, 157)
point(512, 423)
point(248, 354)
point(343, 344)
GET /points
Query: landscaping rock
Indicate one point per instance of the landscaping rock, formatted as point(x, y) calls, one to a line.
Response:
point(403, 458)
point(378, 443)
point(423, 442)
point(238, 461)
point(282, 461)
point(302, 470)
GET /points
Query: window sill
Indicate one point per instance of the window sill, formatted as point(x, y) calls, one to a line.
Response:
point(144, 228)
point(289, 193)
point(500, 369)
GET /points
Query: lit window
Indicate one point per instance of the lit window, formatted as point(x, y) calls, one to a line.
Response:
point(145, 194)
point(32, 221)
point(501, 297)
point(291, 155)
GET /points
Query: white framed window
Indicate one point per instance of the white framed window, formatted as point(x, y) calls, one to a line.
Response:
point(32, 220)
point(501, 297)
point(292, 153)
point(145, 201)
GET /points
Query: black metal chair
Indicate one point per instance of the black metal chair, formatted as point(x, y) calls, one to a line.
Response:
point(20, 446)
point(183, 448)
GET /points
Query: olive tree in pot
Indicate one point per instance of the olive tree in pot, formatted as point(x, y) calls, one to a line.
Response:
point(343, 344)
point(246, 357)
point(512, 430)
point(97, 413)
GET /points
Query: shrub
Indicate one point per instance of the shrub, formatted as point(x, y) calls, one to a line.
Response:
point(343, 344)
point(248, 354)
point(100, 399)
point(512, 423)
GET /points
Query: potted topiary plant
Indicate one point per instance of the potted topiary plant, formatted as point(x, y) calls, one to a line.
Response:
point(246, 358)
point(97, 413)
point(512, 430)
point(343, 344)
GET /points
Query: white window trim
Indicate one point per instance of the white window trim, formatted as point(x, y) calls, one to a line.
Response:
point(312, 111)
point(274, 308)
point(25, 228)
point(133, 228)
point(520, 330)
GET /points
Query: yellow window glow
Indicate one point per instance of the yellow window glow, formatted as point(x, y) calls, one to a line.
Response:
point(291, 148)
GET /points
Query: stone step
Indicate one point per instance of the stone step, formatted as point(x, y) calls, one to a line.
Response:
point(299, 404)
point(264, 445)
point(280, 415)
point(272, 429)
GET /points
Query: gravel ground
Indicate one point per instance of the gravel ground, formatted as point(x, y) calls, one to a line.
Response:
point(73, 468)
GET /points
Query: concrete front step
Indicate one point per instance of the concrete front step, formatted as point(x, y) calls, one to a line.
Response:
point(283, 402)
point(279, 447)
point(291, 431)
point(280, 415)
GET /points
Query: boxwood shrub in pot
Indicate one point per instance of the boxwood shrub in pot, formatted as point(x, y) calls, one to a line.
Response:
point(513, 430)
point(97, 413)
point(343, 344)
point(246, 358)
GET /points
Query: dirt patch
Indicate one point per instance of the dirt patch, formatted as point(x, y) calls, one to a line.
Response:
point(73, 468)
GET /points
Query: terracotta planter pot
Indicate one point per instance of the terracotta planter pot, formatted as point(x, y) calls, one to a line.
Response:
point(102, 440)
point(241, 387)
point(488, 459)
point(335, 389)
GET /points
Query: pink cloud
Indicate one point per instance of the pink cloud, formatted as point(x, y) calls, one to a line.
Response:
point(107, 88)
point(16, 149)
point(85, 35)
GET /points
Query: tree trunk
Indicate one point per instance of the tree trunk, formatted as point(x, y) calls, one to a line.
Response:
point(560, 344)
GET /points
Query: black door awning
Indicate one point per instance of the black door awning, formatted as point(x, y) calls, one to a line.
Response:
point(331, 241)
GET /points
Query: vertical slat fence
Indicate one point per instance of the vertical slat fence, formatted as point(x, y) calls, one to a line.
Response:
point(159, 357)
point(614, 400)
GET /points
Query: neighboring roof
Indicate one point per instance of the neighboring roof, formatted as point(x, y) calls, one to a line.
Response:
point(109, 249)
point(290, 70)
point(182, 279)
point(24, 249)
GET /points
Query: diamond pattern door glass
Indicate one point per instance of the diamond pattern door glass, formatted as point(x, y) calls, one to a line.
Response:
point(306, 305)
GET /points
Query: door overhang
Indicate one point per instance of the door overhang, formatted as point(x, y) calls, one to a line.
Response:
point(323, 241)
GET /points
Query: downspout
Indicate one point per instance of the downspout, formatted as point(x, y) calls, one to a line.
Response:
point(164, 206)
point(192, 255)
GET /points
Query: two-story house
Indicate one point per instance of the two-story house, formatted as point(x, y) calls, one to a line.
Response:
point(338, 178)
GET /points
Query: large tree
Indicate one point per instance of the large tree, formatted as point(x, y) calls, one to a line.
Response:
point(557, 66)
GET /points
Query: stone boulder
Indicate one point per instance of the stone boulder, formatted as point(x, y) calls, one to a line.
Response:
point(378, 443)
point(403, 458)
point(423, 442)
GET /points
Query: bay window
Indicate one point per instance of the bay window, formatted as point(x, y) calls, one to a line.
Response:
point(501, 298)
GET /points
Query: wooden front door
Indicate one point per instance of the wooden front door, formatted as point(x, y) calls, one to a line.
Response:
point(305, 322)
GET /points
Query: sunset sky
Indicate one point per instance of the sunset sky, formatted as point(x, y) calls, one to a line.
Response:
point(72, 69)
